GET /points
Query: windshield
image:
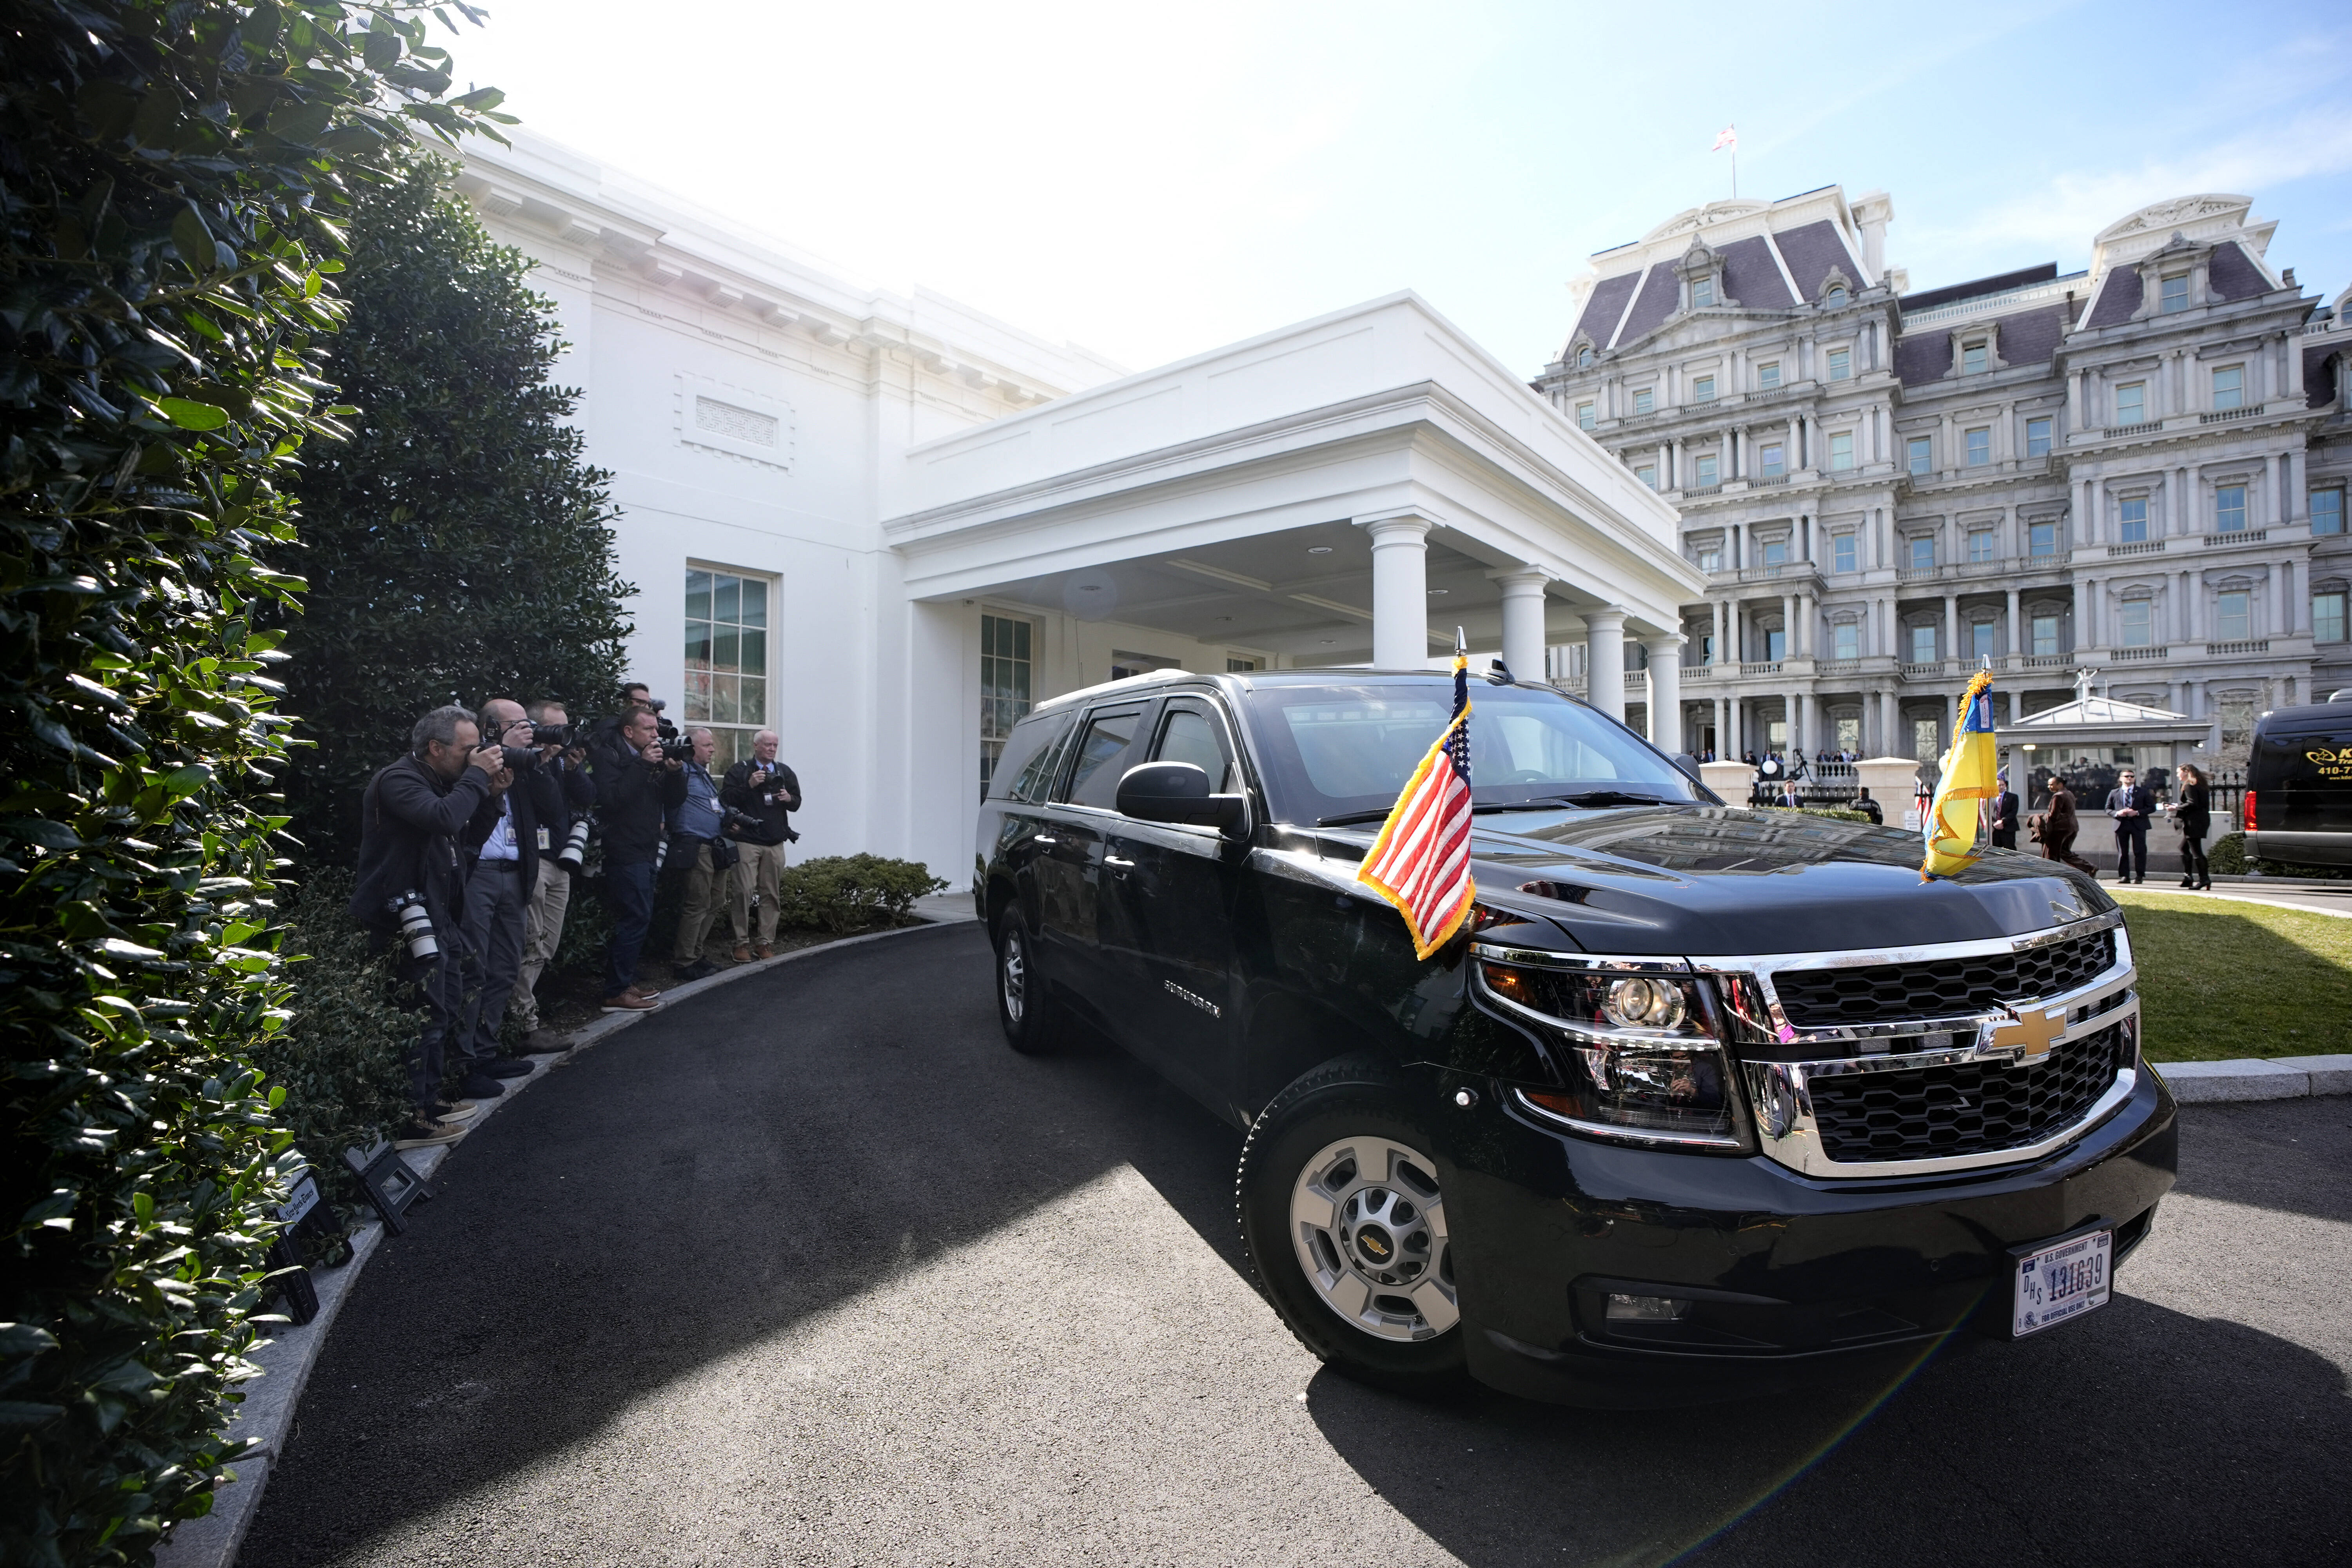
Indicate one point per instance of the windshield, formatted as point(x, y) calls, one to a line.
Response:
point(1342, 749)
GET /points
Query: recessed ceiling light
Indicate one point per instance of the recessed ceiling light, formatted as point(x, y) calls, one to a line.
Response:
point(1318, 550)
point(1329, 641)
point(1434, 592)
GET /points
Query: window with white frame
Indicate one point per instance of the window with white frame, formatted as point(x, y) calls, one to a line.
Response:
point(1644, 400)
point(2041, 538)
point(2131, 520)
point(1975, 356)
point(1980, 638)
point(2137, 619)
point(2327, 510)
point(1703, 389)
point(1923, 552)
point(1705, 470)
point(1584, 357)
point(1920, 451)
point(1845, 553)
point(727, 627)
point(1706, 648)
point(2327, 617)
point(1836, 297)
point(1005, 687)
point(2131, 403)
point(2229, 386)
point(2038, 436)
point(1923, 645)
point(2045, 636)
point(1771, 460)
point(1978, 442)
point(1846, 639)
point(1775, 551)
point(1926, 739)
point(2234, 616)
point(1776, 643)
point(1841, 364)
point(2229, 508)
point(1767, 375)
point(1586, 415)
point(1849, 736)
point(1710, 558)
point(2172, 292)
point(1702, 294)
point(1648, 474)
point(1980, 542)
point(1841, 449)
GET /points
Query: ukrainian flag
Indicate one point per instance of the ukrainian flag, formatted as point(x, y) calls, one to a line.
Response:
point(1970, 774)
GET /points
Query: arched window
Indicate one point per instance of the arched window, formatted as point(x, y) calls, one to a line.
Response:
point(1834, 297)
point(1584, 357)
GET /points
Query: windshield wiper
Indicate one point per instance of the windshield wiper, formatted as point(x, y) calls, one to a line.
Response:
point(1588, 798)
point(1352, 819)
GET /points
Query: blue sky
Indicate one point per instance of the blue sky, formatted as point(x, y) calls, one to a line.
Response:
point(1154, 181)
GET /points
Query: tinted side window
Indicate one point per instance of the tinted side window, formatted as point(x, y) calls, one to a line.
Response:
point(1189, 734)
point(1026, 768)
point(1094, 776)
point(2313, 760)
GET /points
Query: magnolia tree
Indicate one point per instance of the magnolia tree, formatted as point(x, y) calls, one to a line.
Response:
point(175, 179)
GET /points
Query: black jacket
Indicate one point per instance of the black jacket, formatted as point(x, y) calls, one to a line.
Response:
point(545, 798)
point(2004, 812)
point(633, 797)
point(2195, 815)
point(771, 804)
point(2139, 799)
point(412, 826)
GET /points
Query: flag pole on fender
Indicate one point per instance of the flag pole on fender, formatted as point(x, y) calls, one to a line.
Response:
point(1970, 774)
point(1421, 861)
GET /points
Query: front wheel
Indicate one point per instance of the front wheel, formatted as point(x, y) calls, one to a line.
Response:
point(1346, 1225)
point(1023, 1005)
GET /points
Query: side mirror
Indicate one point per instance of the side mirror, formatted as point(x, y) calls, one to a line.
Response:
point(1176, 792)
point(1689, 766)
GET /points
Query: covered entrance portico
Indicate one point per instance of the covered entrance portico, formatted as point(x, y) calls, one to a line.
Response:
point(1344, 493)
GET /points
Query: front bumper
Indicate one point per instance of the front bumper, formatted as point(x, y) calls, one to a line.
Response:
point(1784, 1271)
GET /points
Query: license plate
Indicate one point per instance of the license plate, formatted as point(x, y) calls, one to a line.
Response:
point(2062, 1280)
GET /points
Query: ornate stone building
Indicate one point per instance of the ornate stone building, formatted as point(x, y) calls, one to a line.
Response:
point(2140, 466)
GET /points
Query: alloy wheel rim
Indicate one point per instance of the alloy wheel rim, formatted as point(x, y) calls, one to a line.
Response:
point(1368, 1223)
point(1013, 974)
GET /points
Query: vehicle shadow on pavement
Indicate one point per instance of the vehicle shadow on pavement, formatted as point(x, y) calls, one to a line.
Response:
point(2291, 1155)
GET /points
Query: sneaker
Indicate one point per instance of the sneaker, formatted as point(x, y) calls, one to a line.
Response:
point(422, 1132)
point(506, 1067)
point(545, 1043)
point(701, 969)
point(742, 954)
point(767, 950)
point(630, 1001)
point(479, 1087)
point(464, 1110)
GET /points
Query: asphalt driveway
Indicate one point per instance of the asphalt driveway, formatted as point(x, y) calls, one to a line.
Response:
point(813, 1269)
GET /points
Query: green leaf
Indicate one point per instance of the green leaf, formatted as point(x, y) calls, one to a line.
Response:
point(192, 416)
point(194, 240)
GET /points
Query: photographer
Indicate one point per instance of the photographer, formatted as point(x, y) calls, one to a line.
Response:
point(761, 793)
point(695, 847)
point(412, 873)
point(550, 892)
point(636, 785)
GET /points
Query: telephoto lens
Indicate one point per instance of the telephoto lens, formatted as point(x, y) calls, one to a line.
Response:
point(519, 759)
point(415, 924)
point(574, 852)
point(677, 749)
point(661, 854)
point(550, 734)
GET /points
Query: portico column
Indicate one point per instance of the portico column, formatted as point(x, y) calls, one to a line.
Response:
point(1400, 592)
point(1951, 626)
point(1788, 627)
point(1722, 730)
point(2016, 644)
point(1604, 659)
point(1666, 690)
point(1523, 621)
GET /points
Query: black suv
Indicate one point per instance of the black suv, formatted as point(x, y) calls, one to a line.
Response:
point(1701, 1095)
point(2299, 786)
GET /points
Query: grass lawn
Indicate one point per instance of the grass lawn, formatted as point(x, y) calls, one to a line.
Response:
point(2219, 980)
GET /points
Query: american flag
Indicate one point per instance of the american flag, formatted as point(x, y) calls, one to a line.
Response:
point(1421, 862)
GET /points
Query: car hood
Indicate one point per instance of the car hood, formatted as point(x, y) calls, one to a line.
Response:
point(1706, 882)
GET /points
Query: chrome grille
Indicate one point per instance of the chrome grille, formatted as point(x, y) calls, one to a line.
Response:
point(1940, 988)
point(1962, 1108)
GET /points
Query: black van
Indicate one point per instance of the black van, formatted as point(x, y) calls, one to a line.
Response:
point(2299, 786)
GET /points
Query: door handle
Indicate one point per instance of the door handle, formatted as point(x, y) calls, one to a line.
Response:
point(1114, 860)
point(1043, 838)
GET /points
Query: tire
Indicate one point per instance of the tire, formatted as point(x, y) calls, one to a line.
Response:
point(1026, 1005)
point(1345, 1225)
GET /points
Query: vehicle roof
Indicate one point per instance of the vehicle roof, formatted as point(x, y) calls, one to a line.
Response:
point(1153, 681)
point(2311, 716)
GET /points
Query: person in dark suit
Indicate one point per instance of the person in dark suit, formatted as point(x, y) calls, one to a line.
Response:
point(1867, 806)
point(2132, 805)
point(2004, 816)
point(2056, 830)
point(2195, 815)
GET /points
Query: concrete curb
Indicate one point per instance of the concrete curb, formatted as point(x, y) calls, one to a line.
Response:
point(285, 1360)
point(2251, 1078)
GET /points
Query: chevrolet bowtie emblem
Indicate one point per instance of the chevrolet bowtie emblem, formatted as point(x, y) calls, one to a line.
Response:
point(2030, 1031)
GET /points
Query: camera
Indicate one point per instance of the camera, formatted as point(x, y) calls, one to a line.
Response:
point(677, 748)
point(575, 853)
point(550, 734)
point(744, 824)
point(415, 924)
point(514, 759)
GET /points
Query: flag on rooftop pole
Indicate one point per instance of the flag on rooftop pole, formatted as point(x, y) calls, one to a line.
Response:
point(1421, 861)
point(1971, 774)
point(1728, 139)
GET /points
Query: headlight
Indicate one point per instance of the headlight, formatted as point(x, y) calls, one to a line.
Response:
point(1642, 1066)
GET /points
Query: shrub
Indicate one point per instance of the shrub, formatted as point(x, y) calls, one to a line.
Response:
point(2228, 855)
point(173, 174)
point(840, 893)
point(457, 546)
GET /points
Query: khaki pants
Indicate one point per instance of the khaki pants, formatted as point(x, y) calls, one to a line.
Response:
point(542, 933)
point(703, 893)
point(761, 871)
